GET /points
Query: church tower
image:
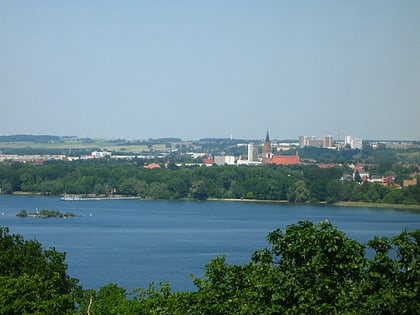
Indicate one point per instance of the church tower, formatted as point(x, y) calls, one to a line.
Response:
point(267, 152)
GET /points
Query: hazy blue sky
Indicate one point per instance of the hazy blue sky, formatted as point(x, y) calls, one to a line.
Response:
point(194, 69)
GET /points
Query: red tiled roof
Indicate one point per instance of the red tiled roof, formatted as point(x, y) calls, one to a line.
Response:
point(409, 182)
point(152, 165)
point(208, 161)
point(284, 160)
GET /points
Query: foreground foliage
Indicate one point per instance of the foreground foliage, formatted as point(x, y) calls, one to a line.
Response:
point(308, 269)
point(33, 280)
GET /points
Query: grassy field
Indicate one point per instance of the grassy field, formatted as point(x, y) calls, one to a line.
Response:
point(71, 143)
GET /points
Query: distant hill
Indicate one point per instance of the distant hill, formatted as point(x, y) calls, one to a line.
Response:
point(221, 140)
point(165, 140)
point(31, 138)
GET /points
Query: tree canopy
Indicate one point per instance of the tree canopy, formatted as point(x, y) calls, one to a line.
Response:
point(34, 280)
point(308, 268)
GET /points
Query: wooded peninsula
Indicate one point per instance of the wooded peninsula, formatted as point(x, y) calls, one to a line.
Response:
point(293, 183)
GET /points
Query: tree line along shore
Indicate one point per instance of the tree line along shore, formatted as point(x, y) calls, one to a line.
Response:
point(294, 183)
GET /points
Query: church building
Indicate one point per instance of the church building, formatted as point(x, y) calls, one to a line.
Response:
point(269, 158)
point(267, 152)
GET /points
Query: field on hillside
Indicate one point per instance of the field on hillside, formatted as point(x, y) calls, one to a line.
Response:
point(81, 144)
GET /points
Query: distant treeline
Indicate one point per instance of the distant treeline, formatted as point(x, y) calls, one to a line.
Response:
point(48, 151)
point(293, 183)
point(30, 138)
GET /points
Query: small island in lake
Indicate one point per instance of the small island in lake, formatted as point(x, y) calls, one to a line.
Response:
point(45, 214)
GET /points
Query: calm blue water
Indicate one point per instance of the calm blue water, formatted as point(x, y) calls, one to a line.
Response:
point(135, 242)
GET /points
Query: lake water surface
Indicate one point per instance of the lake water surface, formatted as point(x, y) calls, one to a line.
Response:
point(134, 242)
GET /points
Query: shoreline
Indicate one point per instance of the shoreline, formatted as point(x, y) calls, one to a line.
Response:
point(377, 205)
point(246, 200)
point(79, 198)
point(337, 204)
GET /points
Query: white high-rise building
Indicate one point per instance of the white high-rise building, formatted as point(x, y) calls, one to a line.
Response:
point(357, 144)
point(354, 143)
point(230, 160)
point(328, 141)
point(224, 160)
point(347, 141)
point(252, 153)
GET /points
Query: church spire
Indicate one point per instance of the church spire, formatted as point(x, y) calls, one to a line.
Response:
point(267, 153)
point(267, 137)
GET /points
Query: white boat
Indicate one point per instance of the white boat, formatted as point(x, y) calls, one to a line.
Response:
point(70, 198)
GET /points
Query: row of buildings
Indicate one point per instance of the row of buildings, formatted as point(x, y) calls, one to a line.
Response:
point(263, 154)
point(361, 175)
point(311, 141)
point(329, 143)
point(255, 156)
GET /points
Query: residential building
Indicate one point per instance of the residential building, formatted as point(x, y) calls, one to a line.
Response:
point(303, 141)
point(311, 141)
point(224, 159)
point(100, 154)
point(252, 153)
point(230, 160)
point(409, 182)
point(354, 143)
point(151, 166)
point(376, 179)
point(219, 160)
point(208, 161)
point(357, 144)
point(317, 143)
point(328, 142)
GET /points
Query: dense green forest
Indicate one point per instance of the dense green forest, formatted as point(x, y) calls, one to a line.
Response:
point(308, 269)
point(300, 183)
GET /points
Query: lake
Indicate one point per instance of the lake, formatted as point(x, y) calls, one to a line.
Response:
point(135, 242)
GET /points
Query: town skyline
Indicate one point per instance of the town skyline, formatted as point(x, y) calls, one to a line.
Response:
point(261, 137)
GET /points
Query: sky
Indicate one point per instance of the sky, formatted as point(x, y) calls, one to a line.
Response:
point(219, 68)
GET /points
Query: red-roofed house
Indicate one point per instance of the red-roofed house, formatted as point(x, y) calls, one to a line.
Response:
point(152, 165)
point(409, 182)
point(208, 161)
point(284, 160)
